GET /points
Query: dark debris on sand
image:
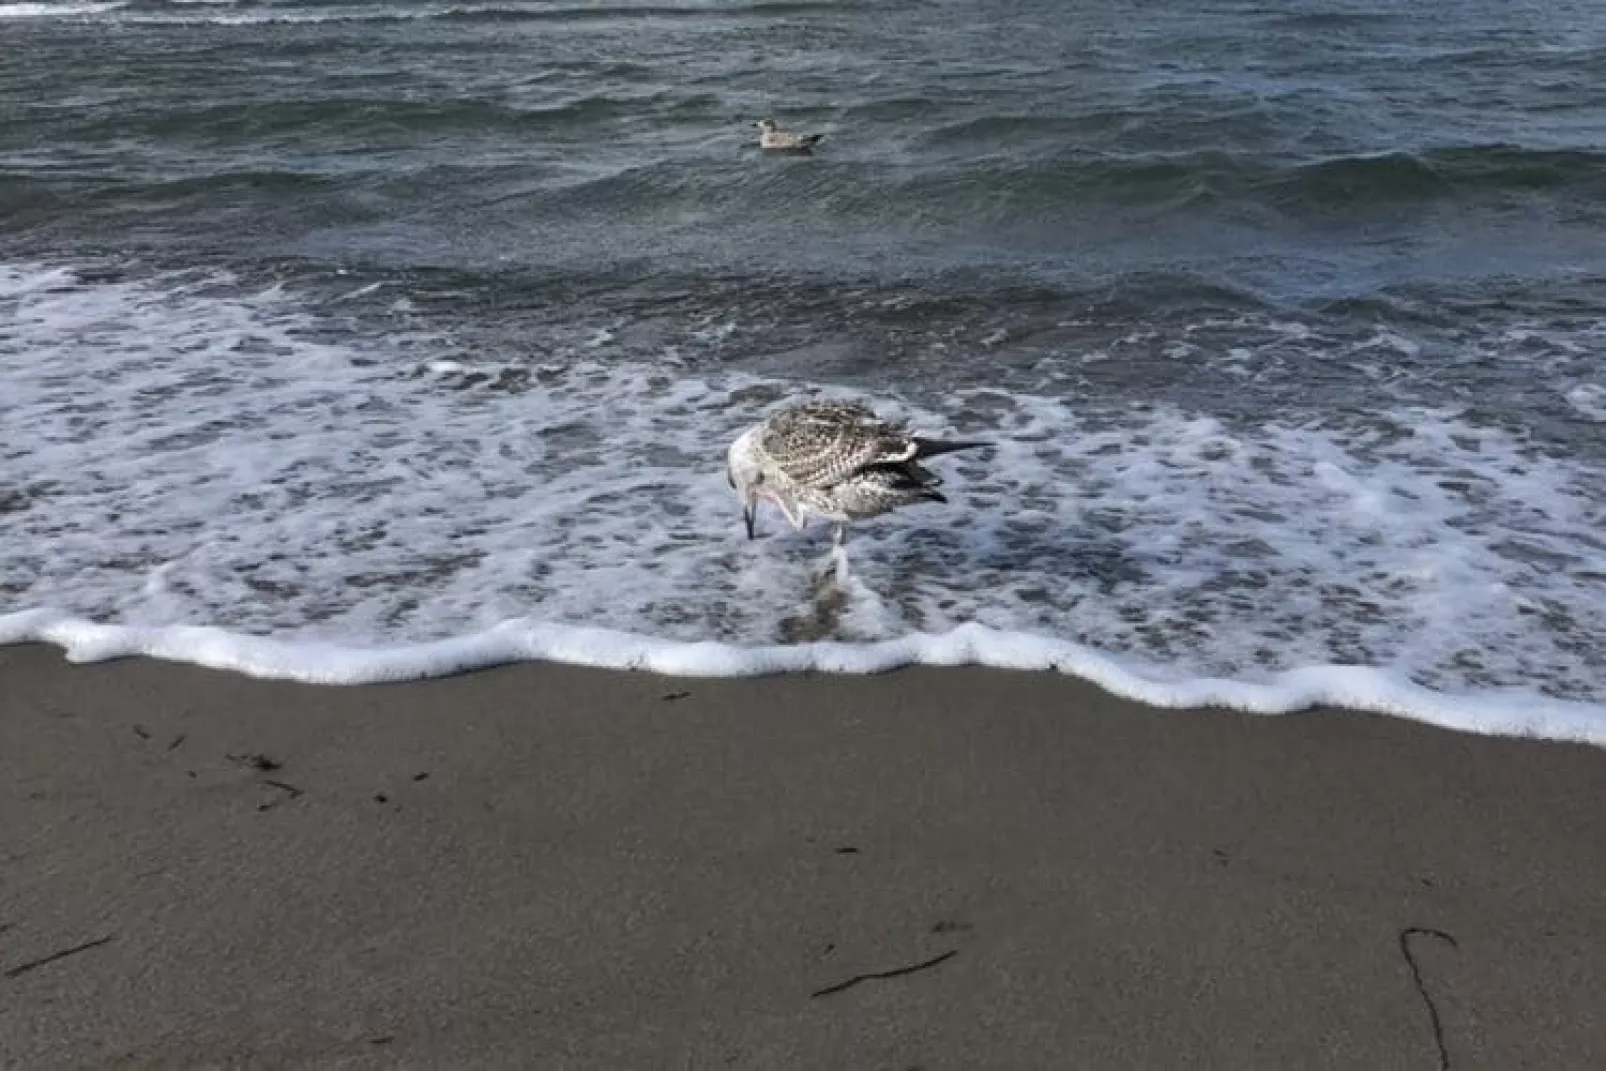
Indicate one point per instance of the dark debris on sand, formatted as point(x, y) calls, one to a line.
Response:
point(256, 761)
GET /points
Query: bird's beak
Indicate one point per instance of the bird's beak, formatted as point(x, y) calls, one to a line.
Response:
point(750, 517)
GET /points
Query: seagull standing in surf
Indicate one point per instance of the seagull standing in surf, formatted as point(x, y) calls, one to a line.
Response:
point(771, 138)
point(837, 461)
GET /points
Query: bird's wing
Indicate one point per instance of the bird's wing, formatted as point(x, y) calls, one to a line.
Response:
point(819, 444)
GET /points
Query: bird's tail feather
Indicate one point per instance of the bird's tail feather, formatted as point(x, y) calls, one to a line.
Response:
point(925, 448)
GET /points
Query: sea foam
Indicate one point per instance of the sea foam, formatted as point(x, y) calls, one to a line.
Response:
point(69, 9)
point(344, 502)
point(1512, 713)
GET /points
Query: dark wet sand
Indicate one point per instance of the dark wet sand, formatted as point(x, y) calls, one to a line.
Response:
point(543, 866)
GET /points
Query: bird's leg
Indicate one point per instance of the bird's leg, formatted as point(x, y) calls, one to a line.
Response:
point(839, 553)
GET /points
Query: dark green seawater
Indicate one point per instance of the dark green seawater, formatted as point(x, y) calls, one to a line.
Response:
point(1047, 174)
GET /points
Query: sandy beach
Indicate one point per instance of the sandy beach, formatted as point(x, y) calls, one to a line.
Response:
point(543, 866)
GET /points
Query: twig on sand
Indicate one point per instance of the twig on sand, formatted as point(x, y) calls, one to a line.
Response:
point(142, 732)
point(177, 740)
point(876, 976)
point(1416, 977)
point(33, 965)
point(283, 786)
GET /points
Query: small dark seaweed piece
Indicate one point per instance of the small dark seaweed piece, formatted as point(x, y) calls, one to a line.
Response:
point(876, 976)
point(33, 965)
point(257, 761)
point(1422, 989)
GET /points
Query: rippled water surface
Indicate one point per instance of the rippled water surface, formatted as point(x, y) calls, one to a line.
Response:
point(381, 321)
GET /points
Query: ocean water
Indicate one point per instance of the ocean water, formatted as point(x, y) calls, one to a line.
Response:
point(359, 341)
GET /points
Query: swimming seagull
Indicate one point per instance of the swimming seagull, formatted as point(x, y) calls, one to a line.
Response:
point(772, 138)
point(834, 460)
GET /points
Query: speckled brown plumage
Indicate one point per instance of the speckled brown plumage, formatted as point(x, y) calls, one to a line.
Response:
point(819, 444)
point(837, 461)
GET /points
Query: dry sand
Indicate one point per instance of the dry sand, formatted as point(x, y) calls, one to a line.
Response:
point(543, 866)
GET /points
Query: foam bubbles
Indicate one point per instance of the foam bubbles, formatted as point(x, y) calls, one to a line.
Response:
point(1517, 713)
point(192, 464)
point(1588, 400)
point(67, 9)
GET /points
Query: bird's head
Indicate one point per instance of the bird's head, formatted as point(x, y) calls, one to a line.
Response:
point(745, 475)
point(768, 126)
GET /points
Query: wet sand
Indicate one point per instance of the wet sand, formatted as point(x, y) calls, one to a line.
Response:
point(543, 866)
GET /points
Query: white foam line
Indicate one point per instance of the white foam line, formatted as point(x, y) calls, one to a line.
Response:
point(45, 10)
point(1507, 713)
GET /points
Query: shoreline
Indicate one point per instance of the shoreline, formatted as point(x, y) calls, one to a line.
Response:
point(1501, 712)
point(545, 865)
